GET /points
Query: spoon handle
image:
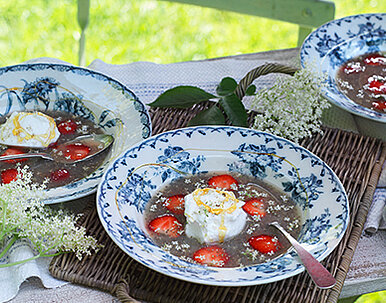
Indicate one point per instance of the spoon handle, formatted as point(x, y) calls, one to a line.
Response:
point(26, 155)
point(318, 273)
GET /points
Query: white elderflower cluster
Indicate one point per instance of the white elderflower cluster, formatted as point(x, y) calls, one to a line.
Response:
point(293, 107)
point(50, 231)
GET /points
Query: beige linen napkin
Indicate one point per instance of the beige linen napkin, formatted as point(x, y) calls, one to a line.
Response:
point(376, 219)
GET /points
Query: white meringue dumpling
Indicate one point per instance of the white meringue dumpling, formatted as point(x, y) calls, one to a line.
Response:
point(29, 129)
point(213, 215)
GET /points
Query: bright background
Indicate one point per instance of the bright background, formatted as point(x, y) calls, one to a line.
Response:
point(123, 31)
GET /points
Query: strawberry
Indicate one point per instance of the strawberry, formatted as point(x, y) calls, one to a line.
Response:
point(13, 151)
point(375, 59)
point(265, 244)
point(212, 255)
point(380, 105)
point(175, 204)
point(9, 175)
point(254, 207)
point(225, 182)
point(74, 151)
point(67, 127)
point(351, 68)
point(376, 86)
point(166, 225)
point(59, 175)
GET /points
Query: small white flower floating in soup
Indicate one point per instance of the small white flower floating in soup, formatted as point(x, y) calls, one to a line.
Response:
point(49, 131)
point(222, 220)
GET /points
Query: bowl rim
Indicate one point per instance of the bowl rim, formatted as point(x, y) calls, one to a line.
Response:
point(137, 146)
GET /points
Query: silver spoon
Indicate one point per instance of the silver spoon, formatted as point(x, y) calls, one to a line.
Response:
point(318, 273)
point(95, 139)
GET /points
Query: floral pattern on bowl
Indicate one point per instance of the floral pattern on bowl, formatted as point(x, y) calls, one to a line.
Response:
point(84, 93)
point(335, 42)
point(136, 175)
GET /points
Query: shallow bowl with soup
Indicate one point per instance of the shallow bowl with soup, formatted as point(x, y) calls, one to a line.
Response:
point(84, 94)
point(136, 177)
point(331, 46)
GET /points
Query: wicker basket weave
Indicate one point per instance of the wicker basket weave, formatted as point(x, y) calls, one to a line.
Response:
point(357, 160)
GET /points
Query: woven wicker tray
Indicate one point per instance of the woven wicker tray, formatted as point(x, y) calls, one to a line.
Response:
point(357, 160)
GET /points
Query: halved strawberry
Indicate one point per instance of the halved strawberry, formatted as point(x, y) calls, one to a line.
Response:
point(13, 151)
point(166, 225)
point(212, 255)
point(255, 207)
point(380, 105)
point(67, 127)
point(376, 86)
point(9, 175)
point(60, 174)
point(75, 151)
point(375, 59)
point(352, 67)
point(175, 204)
point(225, 182)
point(265, 244)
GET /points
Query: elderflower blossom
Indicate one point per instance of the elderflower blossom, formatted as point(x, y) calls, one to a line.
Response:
point(50, 231)
point(293, 107)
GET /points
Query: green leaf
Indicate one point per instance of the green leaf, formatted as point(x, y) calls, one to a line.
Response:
point(235, 110)
point(250, 90)
point(182, 97)
point(210, 116)
point(226, 87)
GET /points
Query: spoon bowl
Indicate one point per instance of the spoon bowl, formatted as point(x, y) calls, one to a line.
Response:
point(318, 273)
point(100, 141)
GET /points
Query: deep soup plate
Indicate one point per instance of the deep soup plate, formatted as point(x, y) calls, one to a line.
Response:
point(331, 45)
point(83, 93)
point(132, 179)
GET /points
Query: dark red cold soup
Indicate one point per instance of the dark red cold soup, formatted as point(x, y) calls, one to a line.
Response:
point(54, 173)
point(166, 218)
point(363, 80)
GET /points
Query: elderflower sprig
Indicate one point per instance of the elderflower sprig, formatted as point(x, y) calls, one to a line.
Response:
point(50, 232)
point(293, 107)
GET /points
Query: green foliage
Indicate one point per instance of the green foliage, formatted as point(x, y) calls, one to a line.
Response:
point(234, 109)
point(182, 97)
point(122, 31)
point(376, 297)
point(227, 86)
point(211, 116)
point(187, 96)
point(251, 90)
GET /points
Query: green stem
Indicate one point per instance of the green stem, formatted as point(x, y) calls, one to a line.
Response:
point(2, 234)
point(41, 255)
point(52, 255)
point(3, 221)
point(5, 250)
point(19, 262)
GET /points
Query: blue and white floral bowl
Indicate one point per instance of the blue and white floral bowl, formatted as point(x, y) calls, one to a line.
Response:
point(132, 179)
point(337, 41)
point(82, 92)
